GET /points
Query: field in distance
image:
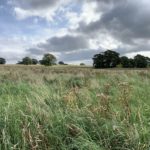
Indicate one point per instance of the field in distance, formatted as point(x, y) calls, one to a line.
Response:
point(74, 108)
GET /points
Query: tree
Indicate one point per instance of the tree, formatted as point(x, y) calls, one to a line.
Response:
point(82, 64)
point(34, 61)
point(147, 58)
point(140, 61)
point(48, 60)
point(2, 61)
point(19, 63)
point(61, 63)
point(107, 59)
point(26, 61)
point(98, 61)
point(131, 63)
point(148, 61)
point(125, 62)
point(111, 58)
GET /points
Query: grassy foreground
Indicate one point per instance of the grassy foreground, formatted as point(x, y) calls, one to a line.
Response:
point(71, 108)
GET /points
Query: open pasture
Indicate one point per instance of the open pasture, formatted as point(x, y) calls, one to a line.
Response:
point(74, 108)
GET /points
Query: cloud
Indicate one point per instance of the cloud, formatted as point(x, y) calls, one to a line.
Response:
point(45, 9)
point(125, 21)
point(36, 4)
point(65, 43)
point(36, 51)
point(81, 55)
point(12, 48)
point(77, 29)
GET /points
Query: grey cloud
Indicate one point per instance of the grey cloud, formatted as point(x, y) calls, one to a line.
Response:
point(124, 49)
point(35, 4)
point(65, 43)
point(79, 55)
point(71, 48)
point(35, 51)
point(126, 21)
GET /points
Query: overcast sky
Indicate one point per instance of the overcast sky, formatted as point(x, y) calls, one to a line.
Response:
point(73, 30)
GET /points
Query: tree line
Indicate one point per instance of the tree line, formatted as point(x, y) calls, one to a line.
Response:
point(112, 59)
point(47, 60)
point(106, 59)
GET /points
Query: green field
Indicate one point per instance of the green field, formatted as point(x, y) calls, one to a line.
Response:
point(74, 108)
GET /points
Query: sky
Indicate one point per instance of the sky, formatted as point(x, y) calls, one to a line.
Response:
point(73, 30)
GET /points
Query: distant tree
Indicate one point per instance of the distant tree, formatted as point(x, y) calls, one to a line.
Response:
point(26, 61)
point(140, 61)
point(125, 62)
point(147, 58)
point(131, 63)
point(19, 62)
point(82, 64)
point(112, 59)
point(107, 59)
point(48, 60)
point(2, 61)
point(148, 61)
point(99, 61)
point(61, 63)
point(34, 61)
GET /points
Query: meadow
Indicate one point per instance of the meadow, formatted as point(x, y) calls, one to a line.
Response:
point(74, 108)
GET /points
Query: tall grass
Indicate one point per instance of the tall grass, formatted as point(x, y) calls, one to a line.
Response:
point(65, 108)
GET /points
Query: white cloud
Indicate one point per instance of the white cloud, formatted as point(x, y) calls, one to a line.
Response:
point(88, 14)
point(132, 54)
point(12, 49)
point(45, 9)
point(21, 13)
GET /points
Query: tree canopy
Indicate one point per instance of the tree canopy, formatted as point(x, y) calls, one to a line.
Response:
point(34, 61)
point(2, 61)
point(140, 61)
point(107, 59)
point(48, 60)
point(82, 64)
point(28, 61)
point(110, 59)
point(61, 63)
